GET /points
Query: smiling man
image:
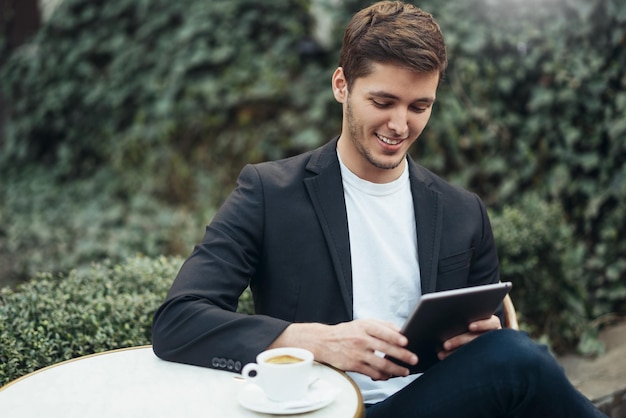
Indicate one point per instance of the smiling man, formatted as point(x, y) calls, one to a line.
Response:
point(382, 118)
point(339, 243)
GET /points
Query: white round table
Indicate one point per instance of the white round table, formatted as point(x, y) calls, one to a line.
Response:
point(134, 383)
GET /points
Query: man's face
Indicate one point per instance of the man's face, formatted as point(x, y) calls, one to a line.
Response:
point(383, 115)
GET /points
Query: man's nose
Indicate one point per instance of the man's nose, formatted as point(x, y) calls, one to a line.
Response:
point(399, 123)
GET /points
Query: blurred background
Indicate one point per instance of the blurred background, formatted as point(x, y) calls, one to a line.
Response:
point(124, 124)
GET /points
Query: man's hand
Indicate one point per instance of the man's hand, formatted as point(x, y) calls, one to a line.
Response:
point(353, 346)
point(476, 329)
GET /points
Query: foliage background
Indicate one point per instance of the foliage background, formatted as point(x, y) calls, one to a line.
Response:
point(128, 121)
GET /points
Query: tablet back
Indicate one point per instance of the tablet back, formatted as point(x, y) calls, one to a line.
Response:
point(440, 316)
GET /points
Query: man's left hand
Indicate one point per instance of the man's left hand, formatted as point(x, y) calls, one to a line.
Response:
point(476, 329)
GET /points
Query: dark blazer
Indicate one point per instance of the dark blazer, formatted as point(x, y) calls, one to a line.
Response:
point(284, 231)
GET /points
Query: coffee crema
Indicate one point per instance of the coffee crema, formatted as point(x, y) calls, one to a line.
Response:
point(284, 359)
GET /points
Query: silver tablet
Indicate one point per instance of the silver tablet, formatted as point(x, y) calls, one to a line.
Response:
point(440, 316)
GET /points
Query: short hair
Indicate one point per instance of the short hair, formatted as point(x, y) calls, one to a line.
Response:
point(392, 32)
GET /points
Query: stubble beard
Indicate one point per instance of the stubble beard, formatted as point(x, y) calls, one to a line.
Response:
point(355, 133)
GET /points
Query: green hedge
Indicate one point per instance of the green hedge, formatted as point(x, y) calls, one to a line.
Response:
point(108, 306)
point(55, 318)
point(539, 254)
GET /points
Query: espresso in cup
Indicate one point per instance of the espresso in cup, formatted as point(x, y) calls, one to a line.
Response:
point(284, 374)
point(284, 359)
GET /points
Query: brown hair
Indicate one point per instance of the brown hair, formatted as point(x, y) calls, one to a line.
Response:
point(392, 32)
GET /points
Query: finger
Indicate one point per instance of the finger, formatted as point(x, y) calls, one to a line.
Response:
point(460, 340)
point(359, 346)
point(387, 340)
point(385, 368)
point(386, 324)
point(485, 324)
point(387, 332)
point(374, 365)
point(398, 353)
point(454, 343)
point(442, 355)
point(377, 374)
point(379, 359)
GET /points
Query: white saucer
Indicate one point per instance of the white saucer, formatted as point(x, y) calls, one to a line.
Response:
point(321, 394)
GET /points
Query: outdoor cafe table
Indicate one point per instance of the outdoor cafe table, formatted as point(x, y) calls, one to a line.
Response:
point(135, 383)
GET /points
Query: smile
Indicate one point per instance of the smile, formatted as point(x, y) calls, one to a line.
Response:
point(388, 141)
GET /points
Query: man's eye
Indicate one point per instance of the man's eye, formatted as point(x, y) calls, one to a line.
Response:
point(380, 104)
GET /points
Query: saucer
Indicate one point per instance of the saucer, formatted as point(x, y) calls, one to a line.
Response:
point(321, 394)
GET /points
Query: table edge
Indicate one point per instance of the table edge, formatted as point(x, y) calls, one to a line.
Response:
point(359, 413)
point(61, 363)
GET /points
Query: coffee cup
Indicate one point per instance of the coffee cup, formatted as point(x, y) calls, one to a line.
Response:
point(284, 374)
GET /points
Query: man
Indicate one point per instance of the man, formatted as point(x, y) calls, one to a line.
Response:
point(339, 243)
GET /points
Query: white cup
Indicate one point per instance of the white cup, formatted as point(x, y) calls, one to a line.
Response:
point(284, 374)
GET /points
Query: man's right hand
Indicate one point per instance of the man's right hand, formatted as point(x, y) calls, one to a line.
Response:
point(354, 346)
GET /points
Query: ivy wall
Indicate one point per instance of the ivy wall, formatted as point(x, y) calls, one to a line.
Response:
point(128, 121)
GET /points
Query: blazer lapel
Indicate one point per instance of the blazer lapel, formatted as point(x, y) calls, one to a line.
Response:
point(428, 218)
point(326, 192)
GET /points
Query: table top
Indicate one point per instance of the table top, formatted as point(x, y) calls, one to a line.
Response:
point(135, 383)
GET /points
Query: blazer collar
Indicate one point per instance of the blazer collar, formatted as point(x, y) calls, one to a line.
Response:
point(325, 157)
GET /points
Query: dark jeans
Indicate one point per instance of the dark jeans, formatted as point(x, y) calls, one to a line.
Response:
point(501, 374)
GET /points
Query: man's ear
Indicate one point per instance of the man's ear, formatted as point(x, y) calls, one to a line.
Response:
point(340, 85)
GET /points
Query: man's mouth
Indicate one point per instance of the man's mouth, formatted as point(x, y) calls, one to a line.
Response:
point(388, 141)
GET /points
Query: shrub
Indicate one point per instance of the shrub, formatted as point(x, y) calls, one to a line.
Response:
point(55, 318)
point(104, 307)
point(539, 254)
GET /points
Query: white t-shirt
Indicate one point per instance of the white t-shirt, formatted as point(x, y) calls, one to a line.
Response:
point(385, 268)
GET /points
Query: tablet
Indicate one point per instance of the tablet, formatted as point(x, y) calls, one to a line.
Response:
point(440, 316)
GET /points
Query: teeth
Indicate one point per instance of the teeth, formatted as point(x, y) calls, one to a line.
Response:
point(387, 140)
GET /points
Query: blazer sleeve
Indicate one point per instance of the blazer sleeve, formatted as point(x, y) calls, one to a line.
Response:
point(198, 323)
point(485, 266)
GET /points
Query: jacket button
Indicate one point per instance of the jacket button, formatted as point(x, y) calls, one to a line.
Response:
point(215, 362)
point(238, 366)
